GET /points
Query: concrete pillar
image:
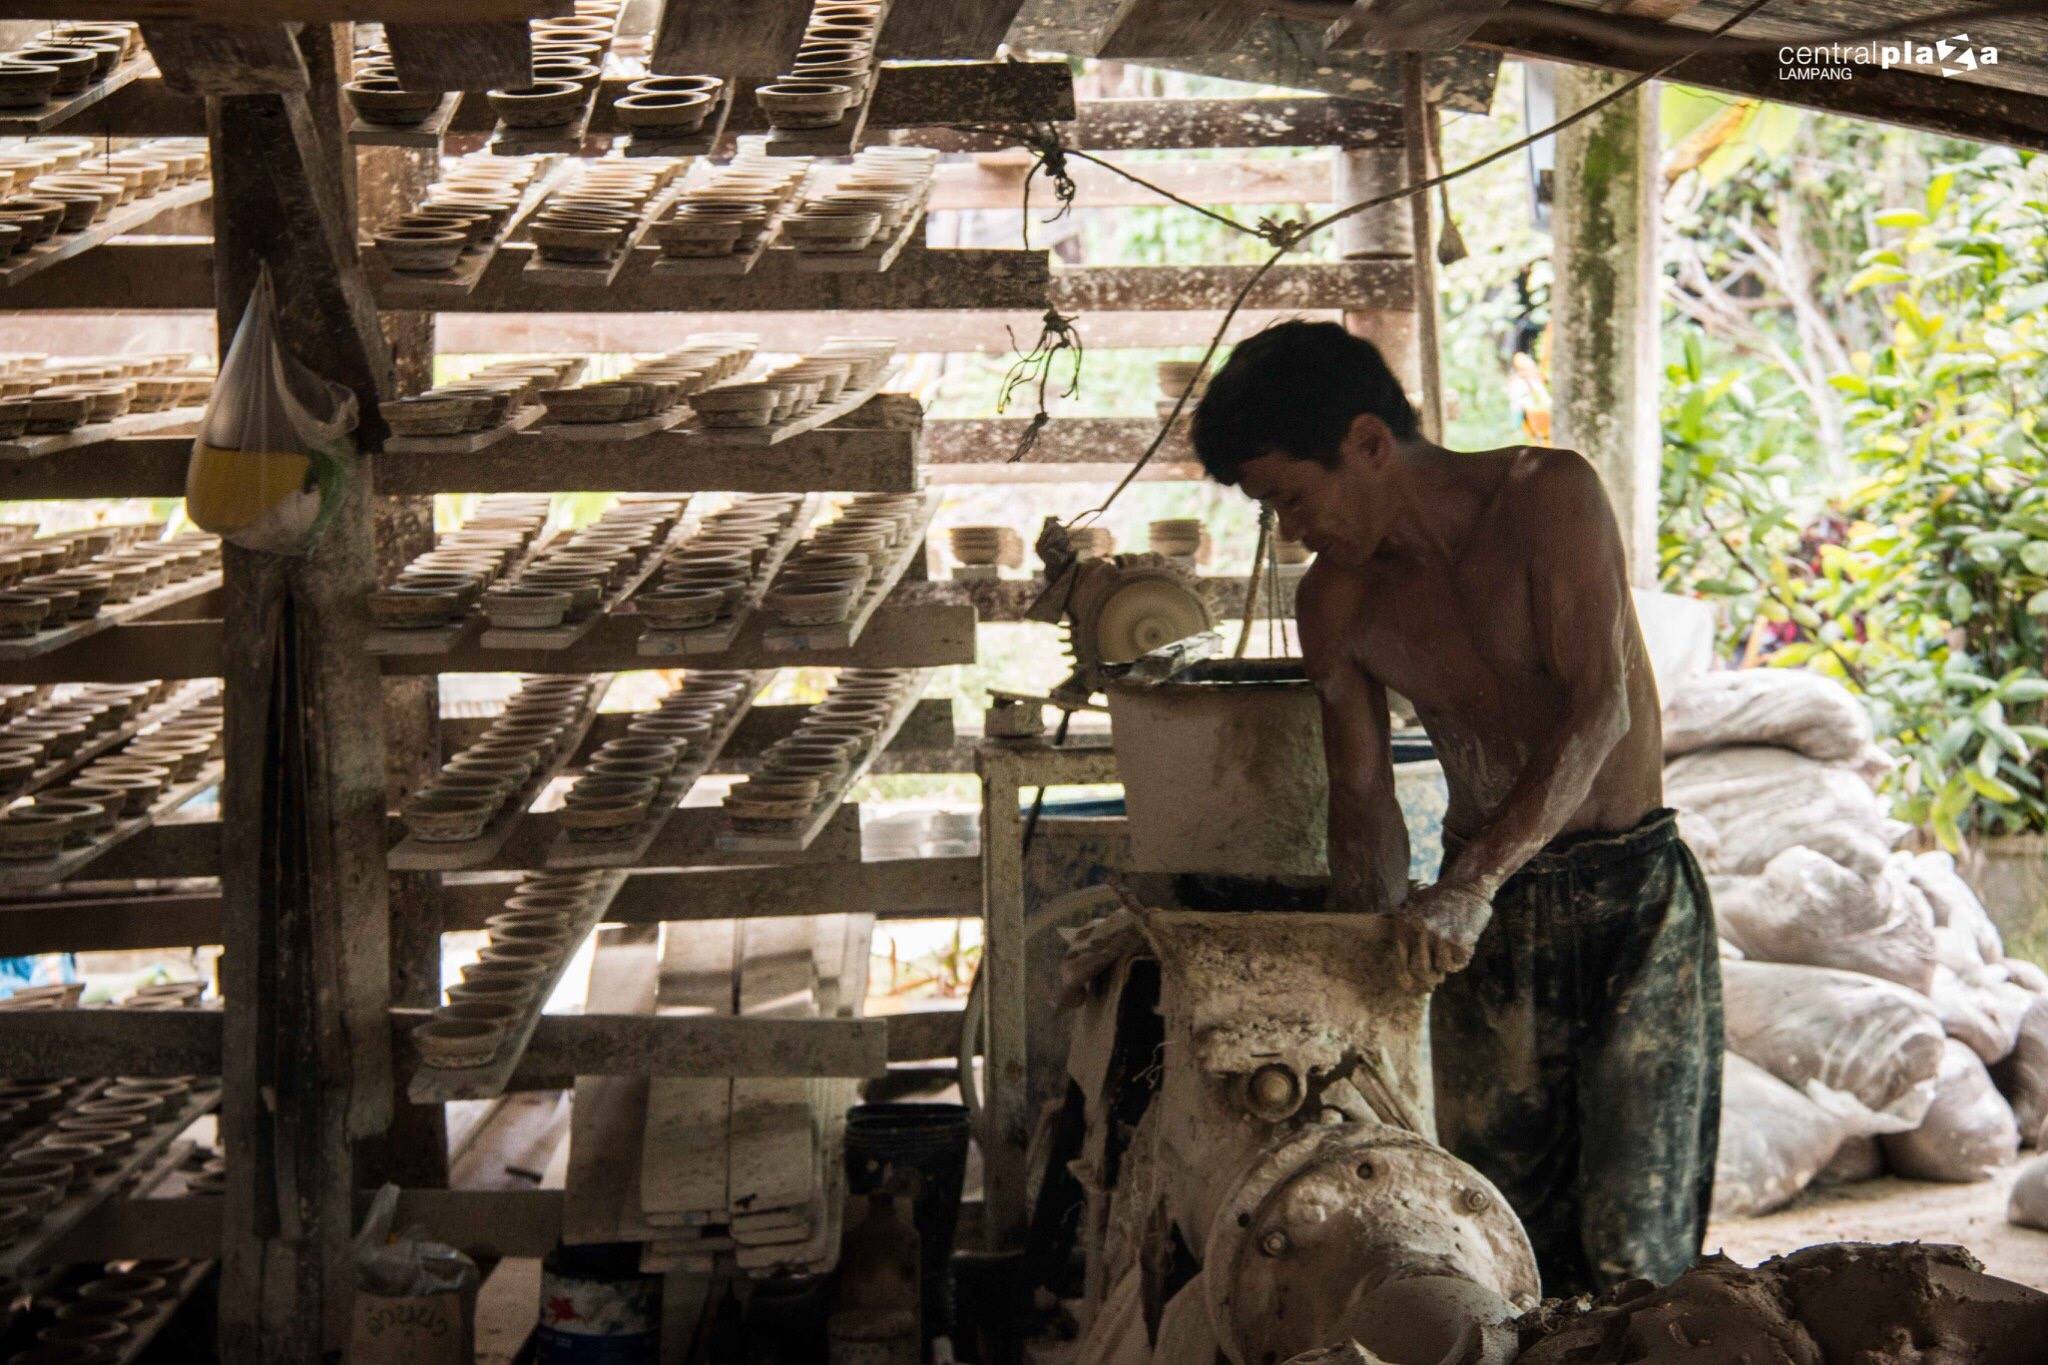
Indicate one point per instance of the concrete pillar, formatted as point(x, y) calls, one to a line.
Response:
point(1604, 305)
point(1378, 234)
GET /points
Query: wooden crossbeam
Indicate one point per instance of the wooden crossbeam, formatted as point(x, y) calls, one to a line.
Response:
point(1175, 28)
point(926, 29)
point(225, 59)
point(461, 56)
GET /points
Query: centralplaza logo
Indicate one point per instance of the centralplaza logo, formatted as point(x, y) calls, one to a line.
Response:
point(1951, 56)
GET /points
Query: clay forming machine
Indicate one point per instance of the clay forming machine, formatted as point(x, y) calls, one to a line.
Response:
point(1283, 1192)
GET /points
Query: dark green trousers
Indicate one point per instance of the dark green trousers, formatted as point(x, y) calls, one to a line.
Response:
point(1578, 1057)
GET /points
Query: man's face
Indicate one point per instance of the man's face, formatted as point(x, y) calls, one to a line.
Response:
point(1337, 512)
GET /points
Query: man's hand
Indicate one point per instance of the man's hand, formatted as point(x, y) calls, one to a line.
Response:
point(1434, 932)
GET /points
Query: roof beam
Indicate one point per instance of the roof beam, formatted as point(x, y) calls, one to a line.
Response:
point(1935, 104)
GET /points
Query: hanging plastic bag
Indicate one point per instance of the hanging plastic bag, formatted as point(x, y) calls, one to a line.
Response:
point(275, 444)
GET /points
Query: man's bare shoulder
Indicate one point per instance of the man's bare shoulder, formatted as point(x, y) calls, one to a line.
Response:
point(1326, 605)
point(1557, 482)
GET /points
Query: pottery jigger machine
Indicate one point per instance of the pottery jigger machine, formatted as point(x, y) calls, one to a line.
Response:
point(1283, 1192)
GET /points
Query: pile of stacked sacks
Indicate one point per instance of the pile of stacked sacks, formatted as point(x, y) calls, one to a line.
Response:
point(1874, 1021)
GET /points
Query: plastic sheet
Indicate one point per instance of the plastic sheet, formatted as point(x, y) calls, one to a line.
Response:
point(274, 444)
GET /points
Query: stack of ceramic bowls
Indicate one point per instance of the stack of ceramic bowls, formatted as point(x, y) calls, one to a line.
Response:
point(704, 579)
point(577, 573)
point(870, 201)
point(527, 945)
point(476, 785)
point(814, 764)
point(589, 220)
point(443, 584)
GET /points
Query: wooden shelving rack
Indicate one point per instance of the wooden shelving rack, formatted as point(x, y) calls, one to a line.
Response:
point(312, 1046)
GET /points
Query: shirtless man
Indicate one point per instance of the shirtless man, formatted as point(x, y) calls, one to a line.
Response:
point(1577, 1027)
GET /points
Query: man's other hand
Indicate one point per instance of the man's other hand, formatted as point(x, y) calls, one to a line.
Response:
point(1434, 932)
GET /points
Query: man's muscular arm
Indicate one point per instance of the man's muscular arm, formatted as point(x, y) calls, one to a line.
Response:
point(1579, 590)
point(1368, 838)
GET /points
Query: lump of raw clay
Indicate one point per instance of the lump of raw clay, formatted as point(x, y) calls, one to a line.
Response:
point(1787, 707)
point(1717, 1313)
point(1774, 1140)
point(1969, 1129)
point(1808, 908)
point(2028, 1206)
point(1864, 1049)
point(1845, 1303)
point(1911, 1302)
point(2023, 1076)
point(1764, 801)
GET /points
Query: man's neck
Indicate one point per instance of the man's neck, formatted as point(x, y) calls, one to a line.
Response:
point(1441, 495)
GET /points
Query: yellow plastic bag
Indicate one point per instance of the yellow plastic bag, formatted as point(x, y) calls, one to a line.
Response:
point(275, 444)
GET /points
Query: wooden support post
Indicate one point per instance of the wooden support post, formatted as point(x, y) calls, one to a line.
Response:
point(306, 1052)
point(1005, 1131)
point(1381, 234)
point(414, 1151)
point(466, 56)
point(1415, 118)
point(1604, 301)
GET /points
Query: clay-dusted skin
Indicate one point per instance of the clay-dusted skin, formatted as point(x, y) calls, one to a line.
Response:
point(1840, 1303)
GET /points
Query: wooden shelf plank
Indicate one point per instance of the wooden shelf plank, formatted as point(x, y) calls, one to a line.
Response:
point(718, 637)
point(856, 455)
point(432, 1085)
point(658, 1045)
point(469, 443)
point(803, 832)
point(121, 218)
point(424, 855)
point(899, 636)
point(29, 122)
point(845, 634)
point(107, 618)
point(611, 433)
point(17, 876)
point(92, 433)
point(628, 851)
point(426, 134)
point(31, 1248)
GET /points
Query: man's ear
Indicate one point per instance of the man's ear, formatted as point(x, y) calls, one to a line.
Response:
point(1368, 443)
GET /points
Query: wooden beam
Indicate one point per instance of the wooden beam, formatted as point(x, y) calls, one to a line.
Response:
point(1175, 288)
point(991, 182)
point(226, 59)
point(461, 56)
point(923, 29)
point(670, 1045)
point(110, 1042)
point(1155, 124)
point(1936, 104)
point(1175, 28)
point(1407, 25)
point(285, 11)
point(306, 1058)
point(733, 38)
point(108, 924)
point(925, 1035)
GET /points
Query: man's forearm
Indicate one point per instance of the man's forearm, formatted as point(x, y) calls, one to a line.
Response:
point(1554, 784)
point(1362, 852)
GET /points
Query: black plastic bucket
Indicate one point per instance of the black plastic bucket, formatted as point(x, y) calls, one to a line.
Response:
point(930, 1139)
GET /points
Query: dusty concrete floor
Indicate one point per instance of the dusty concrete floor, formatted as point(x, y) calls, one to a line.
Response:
point(1890, 1210)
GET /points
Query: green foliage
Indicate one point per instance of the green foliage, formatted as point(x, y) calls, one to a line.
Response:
point(1948, 567)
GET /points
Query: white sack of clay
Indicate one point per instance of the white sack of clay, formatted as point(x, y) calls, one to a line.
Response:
point(2028, 1206)
point(1968, 1132)
point(2023, 1076)
point(1764, 801)
point(1787, 707)
point(1955, 905)
point(1774, 1140)
point(1983, 1010)
point(1808, 908)
point(1863, 1049)
point(1858, 1158)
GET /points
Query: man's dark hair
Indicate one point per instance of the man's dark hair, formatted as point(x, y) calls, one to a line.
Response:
point(1294, 389)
